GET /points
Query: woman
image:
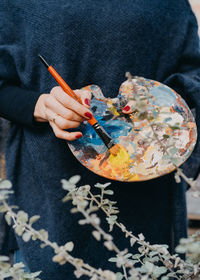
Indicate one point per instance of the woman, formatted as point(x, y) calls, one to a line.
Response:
point(93, 42)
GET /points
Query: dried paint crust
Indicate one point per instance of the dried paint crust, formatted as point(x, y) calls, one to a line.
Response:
point(160, 119)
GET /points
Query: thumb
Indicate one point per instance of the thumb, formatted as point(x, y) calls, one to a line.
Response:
point(85, 96)
point(130, 107)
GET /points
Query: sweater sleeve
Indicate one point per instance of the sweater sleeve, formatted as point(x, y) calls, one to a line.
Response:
point(16, 104)
point(186, 81)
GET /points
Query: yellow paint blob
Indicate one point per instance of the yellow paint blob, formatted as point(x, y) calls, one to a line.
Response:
point(121, 157)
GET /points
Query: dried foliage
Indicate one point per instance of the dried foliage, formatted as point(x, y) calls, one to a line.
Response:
point(151, 261)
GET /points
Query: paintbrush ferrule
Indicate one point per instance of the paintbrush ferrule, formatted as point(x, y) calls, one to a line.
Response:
point(107, 140)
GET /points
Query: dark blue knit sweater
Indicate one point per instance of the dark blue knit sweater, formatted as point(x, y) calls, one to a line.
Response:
point(90, 42)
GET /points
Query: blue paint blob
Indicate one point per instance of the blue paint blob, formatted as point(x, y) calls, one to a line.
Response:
point(164, 96)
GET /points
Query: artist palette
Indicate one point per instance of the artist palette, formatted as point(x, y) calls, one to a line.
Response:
point(157, 137)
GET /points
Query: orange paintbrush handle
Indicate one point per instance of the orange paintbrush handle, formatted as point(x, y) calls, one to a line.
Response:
point(105, 137)
point(68, 90)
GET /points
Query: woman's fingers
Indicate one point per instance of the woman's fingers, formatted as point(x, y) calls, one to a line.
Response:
point(61, 122)
point(62, 134)
point(55, 106)
point(59, 125)
point(85, 96)
point(130, 107)
point(63, 112)
point(70, 103)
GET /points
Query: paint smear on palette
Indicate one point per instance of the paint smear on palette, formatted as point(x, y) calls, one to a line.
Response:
point(141, 156)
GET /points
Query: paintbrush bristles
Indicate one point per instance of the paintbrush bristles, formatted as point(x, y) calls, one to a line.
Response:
point(115, 149)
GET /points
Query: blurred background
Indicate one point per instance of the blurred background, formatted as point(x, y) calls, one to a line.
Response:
point(196, 7)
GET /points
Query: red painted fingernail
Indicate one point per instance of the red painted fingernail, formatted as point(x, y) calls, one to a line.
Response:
point(87, 101)
point(88, 115)
point(127, 108)
point(78, 136)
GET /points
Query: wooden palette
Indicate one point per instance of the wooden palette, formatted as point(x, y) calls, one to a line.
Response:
point(158, 136)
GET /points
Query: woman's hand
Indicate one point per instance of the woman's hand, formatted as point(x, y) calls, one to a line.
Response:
point(130, 107)
point(63, 112)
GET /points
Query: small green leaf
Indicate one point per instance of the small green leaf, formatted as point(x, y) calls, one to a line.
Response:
point(141, 236)
point(112, 260)
point(22, 217)
point(96, 235)
point(127, 256)
point(75, 179)
point(159, 270)
point(112, 219)
point(8, 219)
point(67, 185)
point(110, 192)
point(69, 246)
point(26, 236)
point(33, 219)
point(43, 245)
point(149, 266)
point(4, 259)
point(136, 256)
point(119, 276)
point(180, 249)
point(19, 230)
point(31, 275)
point(5, 184)
point(153, 253)
point(34, 237)
point(3, 209)
point(19, 265)
point(102, 186)
point(132, 241)
point(44, 234)
point(164, 278)
point(155, 259)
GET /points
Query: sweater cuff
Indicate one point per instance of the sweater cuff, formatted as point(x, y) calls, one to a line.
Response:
point(17, 105)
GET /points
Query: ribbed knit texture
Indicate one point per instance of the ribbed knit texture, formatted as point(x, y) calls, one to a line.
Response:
point(90, 42)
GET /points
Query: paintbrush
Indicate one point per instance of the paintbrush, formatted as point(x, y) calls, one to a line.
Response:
point(105, 137)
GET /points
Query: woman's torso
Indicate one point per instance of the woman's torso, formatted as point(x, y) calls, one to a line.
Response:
point(88, 42)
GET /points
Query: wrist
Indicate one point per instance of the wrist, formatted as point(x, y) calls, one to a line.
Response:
point(39, 111)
